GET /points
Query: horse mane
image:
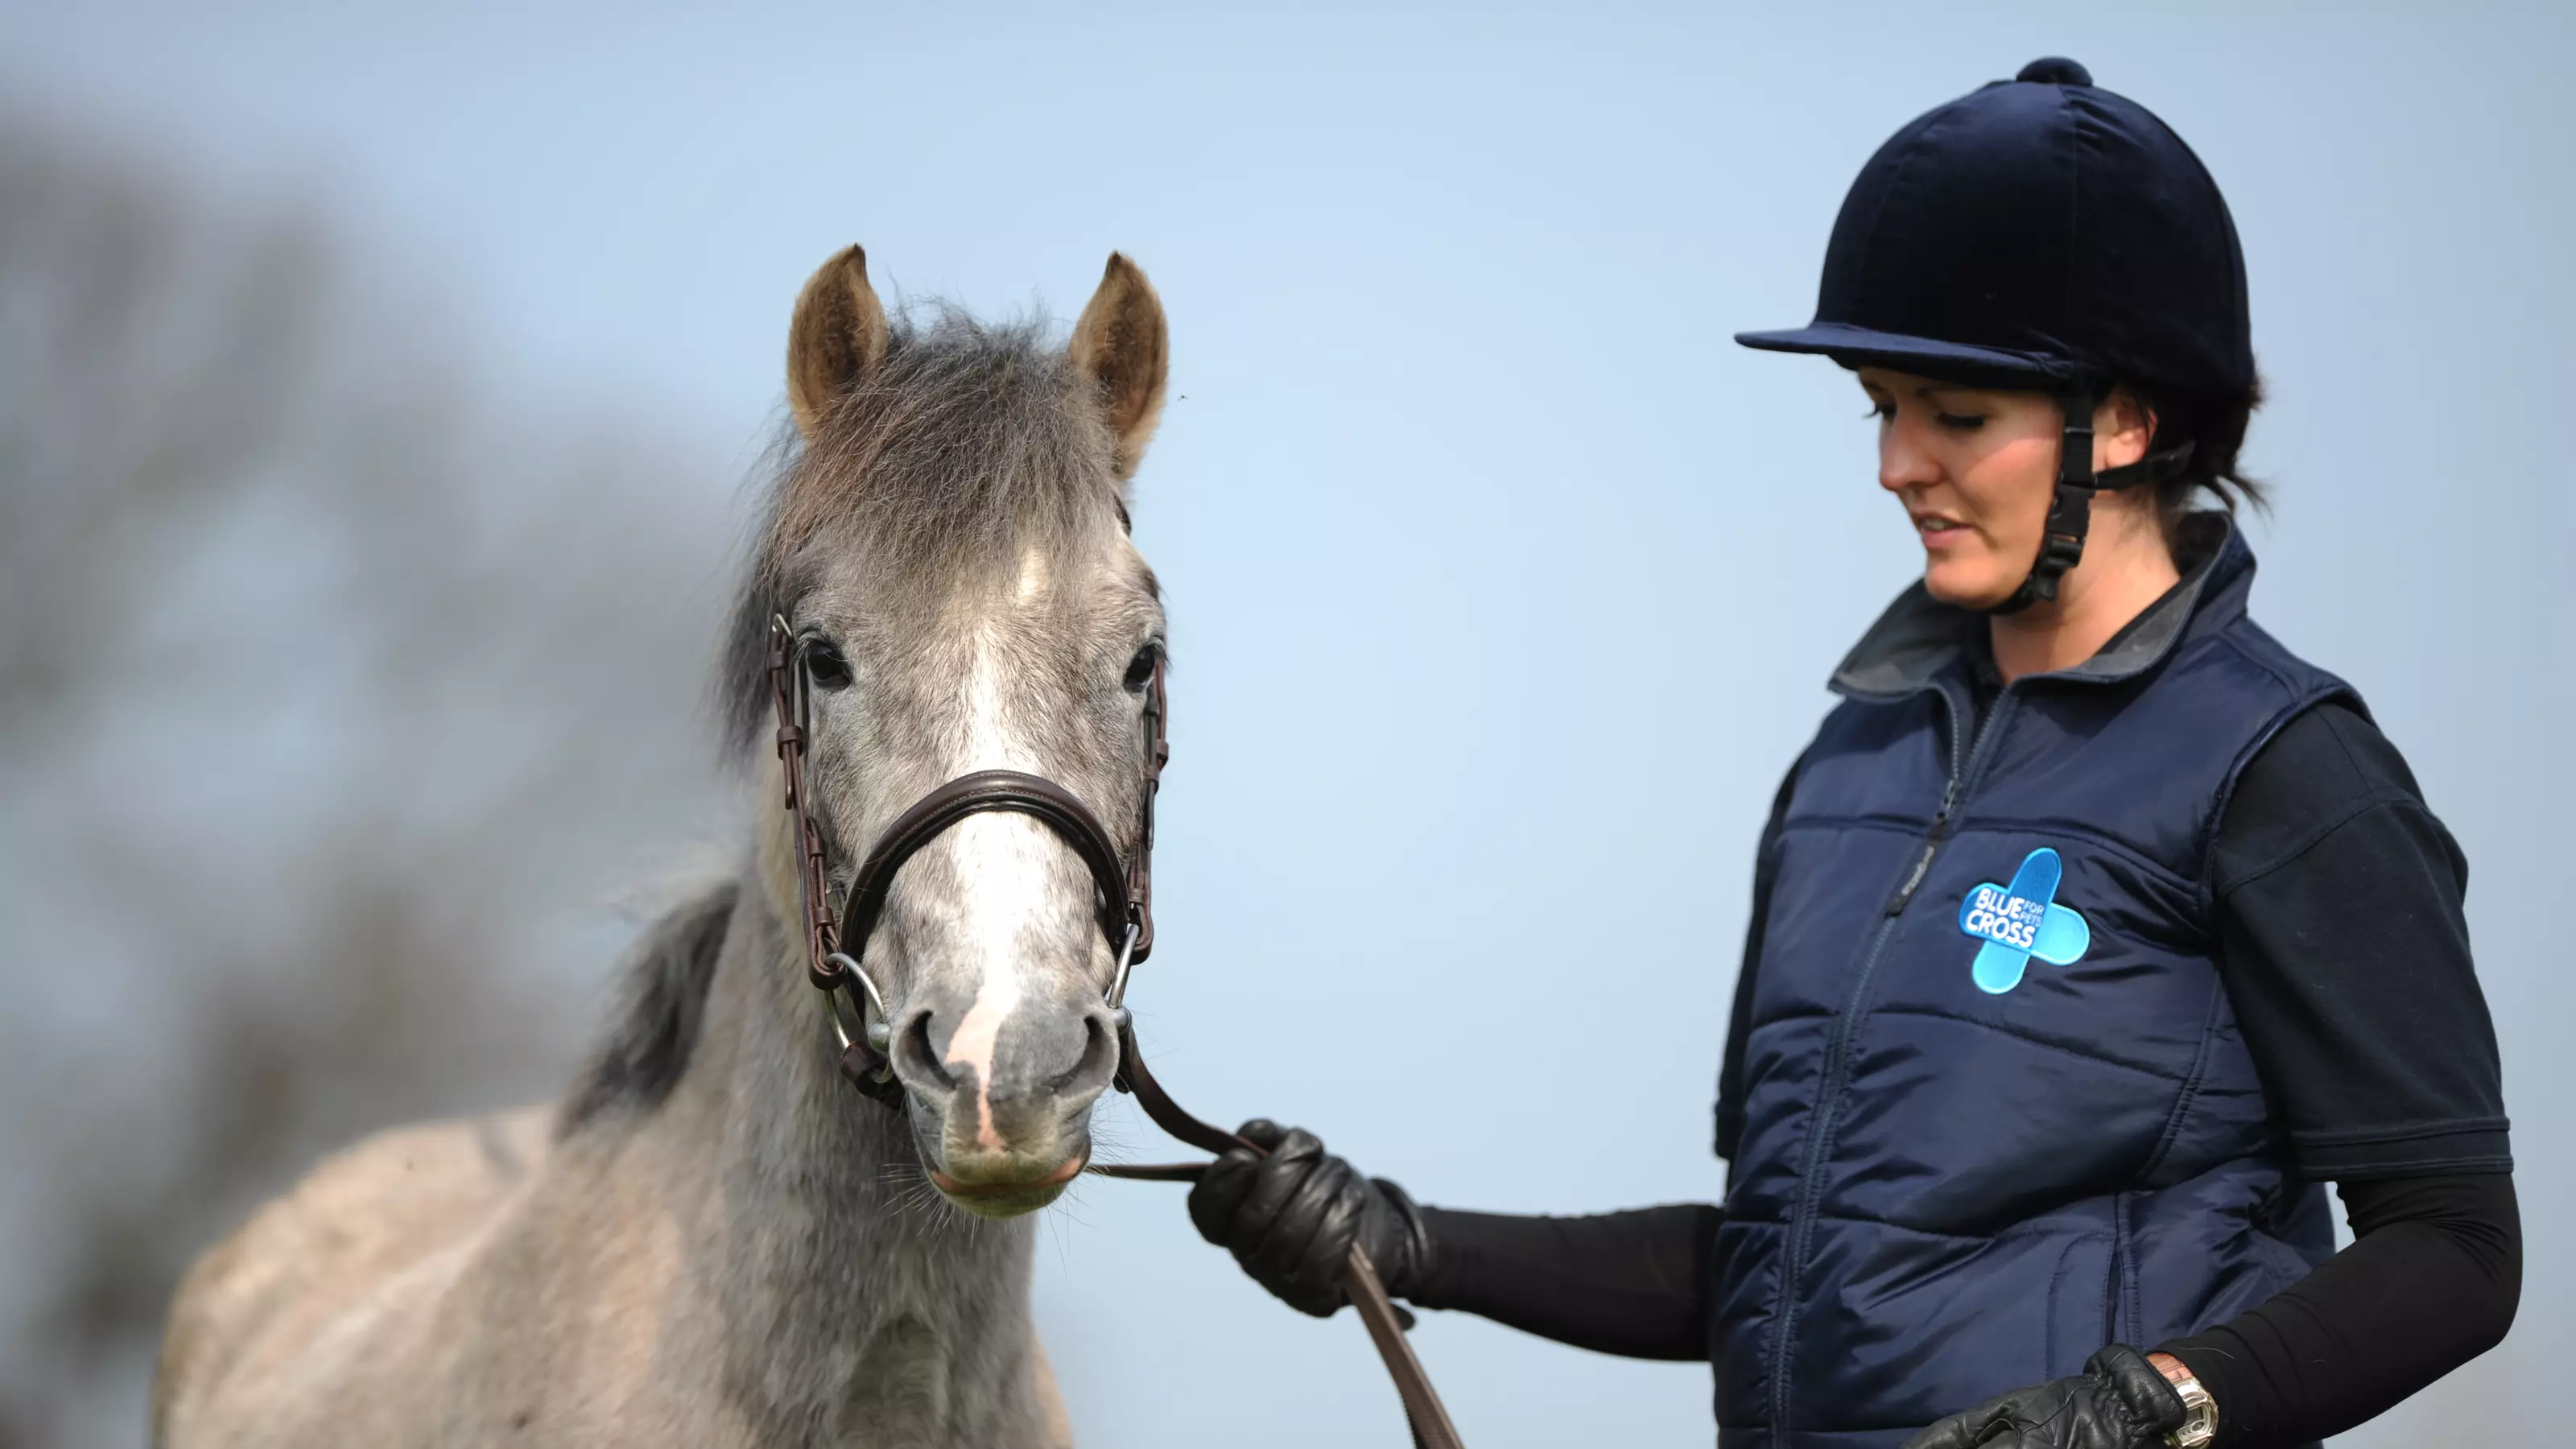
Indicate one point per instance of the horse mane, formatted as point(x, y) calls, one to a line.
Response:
point(971, 443)
point(667, 975)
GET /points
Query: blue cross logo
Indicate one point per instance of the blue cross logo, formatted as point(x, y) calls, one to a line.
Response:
point(2020, 921)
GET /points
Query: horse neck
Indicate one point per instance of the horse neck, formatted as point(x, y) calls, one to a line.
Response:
point(839, 1269)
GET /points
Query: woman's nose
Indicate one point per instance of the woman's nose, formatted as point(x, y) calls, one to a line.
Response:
point(1902, 460)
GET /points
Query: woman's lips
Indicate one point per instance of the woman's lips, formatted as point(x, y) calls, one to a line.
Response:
point(1939, 532)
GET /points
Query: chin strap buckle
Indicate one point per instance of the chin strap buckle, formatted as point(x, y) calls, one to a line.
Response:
point(2070, 512)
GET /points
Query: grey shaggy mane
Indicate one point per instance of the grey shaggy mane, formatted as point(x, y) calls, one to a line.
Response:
point(656, 1026)
point(971, 442)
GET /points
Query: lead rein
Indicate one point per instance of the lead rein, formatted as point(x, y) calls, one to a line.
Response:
point(1423, 1410)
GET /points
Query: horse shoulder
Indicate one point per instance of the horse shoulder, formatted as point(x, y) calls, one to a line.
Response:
point(252, 1315)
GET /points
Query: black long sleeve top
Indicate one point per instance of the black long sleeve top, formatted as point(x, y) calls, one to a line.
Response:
point(2345, 951)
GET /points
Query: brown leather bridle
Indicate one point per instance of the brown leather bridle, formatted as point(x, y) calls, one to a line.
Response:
point(1124, 909)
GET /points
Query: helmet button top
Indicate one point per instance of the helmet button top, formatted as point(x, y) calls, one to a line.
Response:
point(2055, 70)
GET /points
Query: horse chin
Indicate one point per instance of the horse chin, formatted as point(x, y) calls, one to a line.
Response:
point(1010, 1197)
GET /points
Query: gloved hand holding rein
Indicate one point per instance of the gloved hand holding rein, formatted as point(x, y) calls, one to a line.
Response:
point(1290, 1219)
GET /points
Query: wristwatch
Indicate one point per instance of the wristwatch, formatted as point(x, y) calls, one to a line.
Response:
point(2200, 1422)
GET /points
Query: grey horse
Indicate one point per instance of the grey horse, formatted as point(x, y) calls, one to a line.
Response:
point(712, 1240)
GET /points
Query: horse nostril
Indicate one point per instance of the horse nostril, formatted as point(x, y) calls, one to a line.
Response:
point(1099, 1060)
point(913, 1058)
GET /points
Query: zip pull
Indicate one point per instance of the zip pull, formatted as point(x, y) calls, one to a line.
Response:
point(1913, 878)
point(1931, 847)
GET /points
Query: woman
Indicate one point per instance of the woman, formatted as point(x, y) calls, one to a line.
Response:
point(2094, 932)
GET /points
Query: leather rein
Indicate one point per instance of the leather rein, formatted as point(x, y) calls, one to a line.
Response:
point(835, 942)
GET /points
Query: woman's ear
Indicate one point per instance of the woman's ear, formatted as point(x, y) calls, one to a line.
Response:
point(2123, 430)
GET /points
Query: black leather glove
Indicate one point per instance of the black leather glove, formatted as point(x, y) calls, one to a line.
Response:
point(1290, 1219)
point(2118, 1402)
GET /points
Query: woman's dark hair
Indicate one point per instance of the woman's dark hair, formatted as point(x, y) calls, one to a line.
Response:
point(2214, 424)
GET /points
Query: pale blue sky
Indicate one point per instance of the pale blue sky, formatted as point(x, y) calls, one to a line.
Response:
point(1503, 584)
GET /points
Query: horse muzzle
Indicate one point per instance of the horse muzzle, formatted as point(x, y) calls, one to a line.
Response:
point(1002, 1110)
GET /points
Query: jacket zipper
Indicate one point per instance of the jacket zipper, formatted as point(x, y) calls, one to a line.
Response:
point(1931, 847)
point(1965, 754)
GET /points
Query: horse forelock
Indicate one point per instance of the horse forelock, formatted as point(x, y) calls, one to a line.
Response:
point(971, 448)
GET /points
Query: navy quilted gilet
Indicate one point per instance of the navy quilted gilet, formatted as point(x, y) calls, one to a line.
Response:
point(1944, 1190)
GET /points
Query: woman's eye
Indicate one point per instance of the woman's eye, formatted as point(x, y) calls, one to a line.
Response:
point(826, 665)
point(1885, 412)
point(1140, 670)
point(1959, 422)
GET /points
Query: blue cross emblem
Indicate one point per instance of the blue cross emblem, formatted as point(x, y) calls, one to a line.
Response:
point(2020, 921)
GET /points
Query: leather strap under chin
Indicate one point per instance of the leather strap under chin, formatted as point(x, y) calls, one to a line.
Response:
point(2070, 510)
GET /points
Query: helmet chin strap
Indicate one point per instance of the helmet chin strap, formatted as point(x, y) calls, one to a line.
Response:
point(2070, 511)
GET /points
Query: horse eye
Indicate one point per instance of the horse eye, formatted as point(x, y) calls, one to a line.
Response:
point(826, 666)
point(1140, 670)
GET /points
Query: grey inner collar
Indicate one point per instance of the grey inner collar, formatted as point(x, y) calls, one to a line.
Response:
point(1918, 636)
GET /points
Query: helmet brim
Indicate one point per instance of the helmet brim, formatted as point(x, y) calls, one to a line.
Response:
point(1964, 362)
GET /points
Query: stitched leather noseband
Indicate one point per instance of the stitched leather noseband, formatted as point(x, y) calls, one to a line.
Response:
point(1124, 908)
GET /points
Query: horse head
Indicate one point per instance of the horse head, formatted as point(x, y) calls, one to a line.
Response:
point(950, 556)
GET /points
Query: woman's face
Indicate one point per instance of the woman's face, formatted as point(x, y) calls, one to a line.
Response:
point(1976, 469)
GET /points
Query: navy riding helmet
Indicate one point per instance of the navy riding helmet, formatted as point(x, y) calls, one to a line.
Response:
point(2039, 233)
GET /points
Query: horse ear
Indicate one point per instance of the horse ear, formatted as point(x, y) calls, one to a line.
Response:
point(1122, 346)
point(837, 339)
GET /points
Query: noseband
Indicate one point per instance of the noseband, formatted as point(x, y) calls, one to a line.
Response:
point(1123, 906)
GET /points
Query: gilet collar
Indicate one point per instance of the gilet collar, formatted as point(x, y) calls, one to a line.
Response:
point(1919, 638)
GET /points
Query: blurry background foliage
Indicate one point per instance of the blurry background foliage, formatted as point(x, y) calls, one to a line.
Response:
point(378, 384)
point(334, 694)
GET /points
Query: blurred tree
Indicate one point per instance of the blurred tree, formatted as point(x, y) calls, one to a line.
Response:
point(336, 698)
